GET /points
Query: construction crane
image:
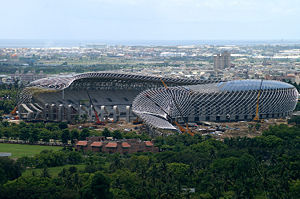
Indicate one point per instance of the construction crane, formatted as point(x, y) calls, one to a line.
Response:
point(256, 118)
point(94, 109)
point(181, 128)
point(14, 111)
point(170, 119)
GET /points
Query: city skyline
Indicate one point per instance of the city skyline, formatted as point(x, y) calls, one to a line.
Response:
point(150, 20)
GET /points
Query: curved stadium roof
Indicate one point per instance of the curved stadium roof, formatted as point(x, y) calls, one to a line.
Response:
point(237, 98)
point(242, 85)
point(62, 82)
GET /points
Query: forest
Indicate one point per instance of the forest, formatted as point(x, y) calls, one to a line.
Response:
point(265, 166)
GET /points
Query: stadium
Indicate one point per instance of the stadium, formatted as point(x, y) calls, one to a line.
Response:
point(91, 96)
point(105, 95)
point(238, 100)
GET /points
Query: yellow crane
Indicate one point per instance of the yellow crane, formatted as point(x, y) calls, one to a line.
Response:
point(256, 118)
point(181, 128)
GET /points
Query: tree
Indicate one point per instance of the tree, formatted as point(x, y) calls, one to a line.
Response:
point(117, 134)
point(34, 135)
point(31, 187)
point(63, 125)
point(178, 173)
point(65, 136)
point(126, 184)
point(45, 135)
point(100, 186)
point(106, 133)
point(116, 162)
point(74, 135)
point(7, 132)
point(9, 169)
point(45, 173)
point(295, 189)
point(84, 134)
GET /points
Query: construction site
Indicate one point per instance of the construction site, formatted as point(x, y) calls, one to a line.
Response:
point(158, 105)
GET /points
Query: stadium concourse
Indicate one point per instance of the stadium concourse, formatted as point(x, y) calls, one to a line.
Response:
point(126, 96)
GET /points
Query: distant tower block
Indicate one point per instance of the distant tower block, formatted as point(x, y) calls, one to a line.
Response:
point(222, 61)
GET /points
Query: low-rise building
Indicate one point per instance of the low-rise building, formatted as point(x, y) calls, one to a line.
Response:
point(101, 144)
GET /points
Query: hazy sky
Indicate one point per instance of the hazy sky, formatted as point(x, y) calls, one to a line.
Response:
point(150, 19)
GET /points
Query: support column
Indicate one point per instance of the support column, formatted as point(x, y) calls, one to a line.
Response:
point(52, 112)
point(69, 111)
point(103, 113)
point(60, 114)
point(46, 112)
point(128, 112)
point(116, 113)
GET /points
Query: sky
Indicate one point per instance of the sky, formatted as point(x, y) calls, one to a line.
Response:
point(150, 19)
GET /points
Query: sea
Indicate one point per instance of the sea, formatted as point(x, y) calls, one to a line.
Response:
point(38, 43)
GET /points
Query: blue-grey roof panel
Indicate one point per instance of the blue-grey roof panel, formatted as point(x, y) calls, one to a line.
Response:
point(244, 85)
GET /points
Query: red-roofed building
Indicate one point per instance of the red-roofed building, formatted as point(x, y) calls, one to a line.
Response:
point(148, 143)
point(111, 145)
point(81, 143)
point(117, 146)
point(96, 146)
point(125, 145)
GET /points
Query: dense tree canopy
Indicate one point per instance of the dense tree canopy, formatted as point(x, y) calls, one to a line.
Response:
point(266, 166)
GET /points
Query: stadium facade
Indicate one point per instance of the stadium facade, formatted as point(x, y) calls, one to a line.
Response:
point(218, 102)
point(116, 95)
point(67, 98)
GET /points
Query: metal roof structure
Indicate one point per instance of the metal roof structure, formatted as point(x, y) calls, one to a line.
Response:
point(225, 101)
point(59, 98)
point(104, 80)
point(242, 85)
point(63, 82)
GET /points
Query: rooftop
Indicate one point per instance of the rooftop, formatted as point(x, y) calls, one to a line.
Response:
point(111, 145)
point(255, 84)
point(96, 144)
point(81, 143)
point(125, 145)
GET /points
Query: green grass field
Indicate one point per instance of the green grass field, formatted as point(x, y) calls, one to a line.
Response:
point(20, 150)
point(53, 171)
